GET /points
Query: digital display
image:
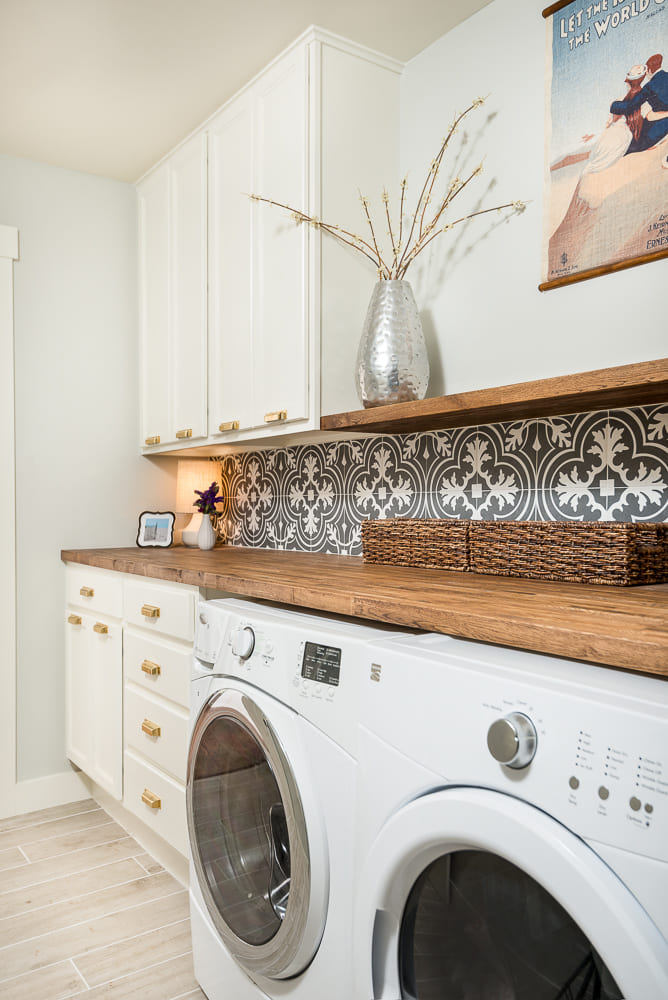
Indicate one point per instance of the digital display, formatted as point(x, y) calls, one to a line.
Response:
point(321, 663)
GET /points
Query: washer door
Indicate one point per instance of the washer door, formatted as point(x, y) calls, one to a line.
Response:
point(470, 894)
point(251, 844)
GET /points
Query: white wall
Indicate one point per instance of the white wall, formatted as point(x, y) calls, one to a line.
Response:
point(487, 323)
point(80, 481)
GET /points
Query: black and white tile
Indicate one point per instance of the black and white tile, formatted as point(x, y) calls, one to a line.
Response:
point(608, 465)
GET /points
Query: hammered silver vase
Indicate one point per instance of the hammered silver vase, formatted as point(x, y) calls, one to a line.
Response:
point(392, 364)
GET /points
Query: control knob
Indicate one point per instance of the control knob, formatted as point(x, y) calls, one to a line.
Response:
point(512, 740)
point(243, 642)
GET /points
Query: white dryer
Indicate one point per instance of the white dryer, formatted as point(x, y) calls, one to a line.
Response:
point(512, 827)
point(270, 800)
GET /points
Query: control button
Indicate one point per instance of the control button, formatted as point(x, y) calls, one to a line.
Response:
point(649, 808)
point(635, 803)
point(512, 740)
point(203, 618)
point(603, 793)
point(574, 782)
point(243, 642)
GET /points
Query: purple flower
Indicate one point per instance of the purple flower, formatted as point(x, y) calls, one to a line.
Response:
point(208, 499)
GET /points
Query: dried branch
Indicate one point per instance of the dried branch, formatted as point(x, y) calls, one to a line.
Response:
point(422, 232)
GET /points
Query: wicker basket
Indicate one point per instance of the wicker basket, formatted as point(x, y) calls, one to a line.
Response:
point(428, 543)
point(578, 552)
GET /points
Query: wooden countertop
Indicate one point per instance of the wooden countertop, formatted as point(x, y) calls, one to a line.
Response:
point(617, 626)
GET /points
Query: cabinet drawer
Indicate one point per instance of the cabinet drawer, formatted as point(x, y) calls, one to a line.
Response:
point(94, 589)
point(167, 817)
point(157, 730)
point(158, 666)
point(160, 609)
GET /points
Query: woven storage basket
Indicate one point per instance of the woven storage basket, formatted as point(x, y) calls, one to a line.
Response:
point(428, 543)
point(577, 552)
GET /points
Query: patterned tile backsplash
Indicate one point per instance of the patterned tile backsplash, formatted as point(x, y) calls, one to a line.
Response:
point(603, 466)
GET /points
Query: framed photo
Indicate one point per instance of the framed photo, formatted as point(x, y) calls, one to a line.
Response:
point(606, 159)
point(156, 529)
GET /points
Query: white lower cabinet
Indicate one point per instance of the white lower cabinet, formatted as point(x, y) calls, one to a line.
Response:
point(128, 690)
point(94, 679)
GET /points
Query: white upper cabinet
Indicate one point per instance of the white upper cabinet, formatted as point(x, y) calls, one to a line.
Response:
point(286, 304)
point(173, 311)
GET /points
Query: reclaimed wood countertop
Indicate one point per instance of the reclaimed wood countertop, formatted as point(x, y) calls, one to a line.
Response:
point(623, 627)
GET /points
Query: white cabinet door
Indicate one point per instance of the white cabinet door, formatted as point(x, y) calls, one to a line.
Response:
point(258, 265)
point(154, 312)
point(187, 285)
point(230, 345)
point(94, 685)
point(173, 276)
point(280, 247)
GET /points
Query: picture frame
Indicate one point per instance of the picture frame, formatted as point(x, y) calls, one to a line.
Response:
point(156, 529)
point(606, 148)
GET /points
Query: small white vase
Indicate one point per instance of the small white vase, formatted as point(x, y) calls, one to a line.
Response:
point(206, 537)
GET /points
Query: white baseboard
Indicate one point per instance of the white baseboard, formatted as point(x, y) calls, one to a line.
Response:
point(52, 790)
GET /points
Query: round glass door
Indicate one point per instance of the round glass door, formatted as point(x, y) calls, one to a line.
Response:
point(248, 835)
point(476, 926)
point(473, 894)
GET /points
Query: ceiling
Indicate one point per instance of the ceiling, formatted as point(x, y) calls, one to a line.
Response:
point(109, 86)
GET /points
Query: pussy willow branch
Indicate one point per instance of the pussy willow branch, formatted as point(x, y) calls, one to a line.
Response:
point(404, 253)
point(354, 241)
point(518, 206)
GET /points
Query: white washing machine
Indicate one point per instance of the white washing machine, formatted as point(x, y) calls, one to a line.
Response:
point(512, 827)
point(270, 799)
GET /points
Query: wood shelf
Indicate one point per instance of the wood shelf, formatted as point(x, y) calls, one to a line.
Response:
point(623, 627)
point(627, 385)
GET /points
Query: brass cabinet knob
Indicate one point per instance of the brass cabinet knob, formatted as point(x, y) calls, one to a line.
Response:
point(151, 799)
point(150, 728)
point(229, 425)
point(152, 440)
point(86, 591)
point(188, 433)
point(74, 619)
point(150, 668)
point(150, 611)
point(275, 416)
point(100, 628)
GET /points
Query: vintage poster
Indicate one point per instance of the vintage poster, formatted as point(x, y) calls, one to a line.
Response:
point(606, 184)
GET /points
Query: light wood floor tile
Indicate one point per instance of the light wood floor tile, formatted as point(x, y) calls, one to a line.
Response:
point(87, 914)
point(45, 815)
point(53, 983)
point(51, 848)
point(11, 858)
point(86, 908)
point(76, 861)
point(153, 977)
point(62, 827)
point(93, 934)
point(57, 890)
point(148, 863)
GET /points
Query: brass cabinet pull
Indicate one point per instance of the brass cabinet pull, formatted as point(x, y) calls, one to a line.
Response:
point(74, 619)
point(275, 415)
point(229, 425)
point(188, 433)
point(152, 440)
point(150, 728)
point(100, 628)
point(151, 799)
point(150, 611)
point(150, 668)
point(87, 592)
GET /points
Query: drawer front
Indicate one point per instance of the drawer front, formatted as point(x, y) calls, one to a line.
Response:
point(158, 666)
point(94, 589)
point(159, 609)
point(144, 785)
point(157, 730)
